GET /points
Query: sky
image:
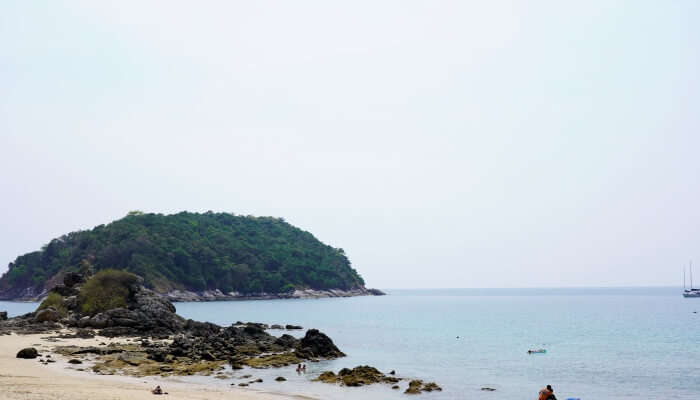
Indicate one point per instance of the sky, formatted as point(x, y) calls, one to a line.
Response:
point(439, 143)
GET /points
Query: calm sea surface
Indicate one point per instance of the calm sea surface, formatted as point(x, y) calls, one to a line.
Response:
point(618, 343)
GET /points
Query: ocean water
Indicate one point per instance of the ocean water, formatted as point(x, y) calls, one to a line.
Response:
point(616, 343)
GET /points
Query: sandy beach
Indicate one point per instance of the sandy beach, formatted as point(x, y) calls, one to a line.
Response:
point(22, 379)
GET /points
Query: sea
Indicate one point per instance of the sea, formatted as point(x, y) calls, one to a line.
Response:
point(601, 343)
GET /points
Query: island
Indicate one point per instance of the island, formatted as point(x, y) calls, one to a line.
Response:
point(193, 257)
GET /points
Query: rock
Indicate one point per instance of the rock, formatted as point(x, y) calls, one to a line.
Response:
point(99, 321)
point(65, 291)
point(488, 389)
point(414, 387)
point(317, 344)
point(288, 341)
point(358, 376)
point(48, 314)
point(280, 379)
point(29, 352)
point(72, 278)
point(242, 384)
point(392, 372)
point(71, 302)
point(395, 387)
point(74, 361)
point(276, 326)
point(430, 386)
point(376, 292)
point(328, 377)
point(291, 327)
point(3, 315)
point(258, 324)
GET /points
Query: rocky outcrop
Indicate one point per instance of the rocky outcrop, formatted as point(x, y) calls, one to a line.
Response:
point(316, 344)
point(417, 386)
point(366, 375)
point(72, 279)
point(3, 315)
point(358, 376)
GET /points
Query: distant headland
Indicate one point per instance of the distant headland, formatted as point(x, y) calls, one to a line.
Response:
point(193, 257)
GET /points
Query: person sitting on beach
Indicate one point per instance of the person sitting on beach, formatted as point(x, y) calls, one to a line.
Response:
point(547, 393)
point(157, 390)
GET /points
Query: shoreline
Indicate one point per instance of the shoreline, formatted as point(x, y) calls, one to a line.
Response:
point(217, 295)
point(27, 378)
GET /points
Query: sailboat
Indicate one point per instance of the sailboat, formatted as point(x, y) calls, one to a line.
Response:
point(692, 292)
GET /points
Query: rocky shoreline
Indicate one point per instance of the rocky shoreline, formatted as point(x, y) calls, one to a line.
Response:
point(152, 340)
point(217, 295)
point(30, 295)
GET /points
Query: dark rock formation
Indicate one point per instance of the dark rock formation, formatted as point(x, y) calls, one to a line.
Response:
point(73, 278)
point(287, 341)
point(317, 344)
point(376, 292)
point(29, 352)
point(290, 327)
point(3, 315)
point(280, 379)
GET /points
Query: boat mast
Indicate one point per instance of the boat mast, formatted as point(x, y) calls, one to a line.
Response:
point(691, 275)
point(684, 278)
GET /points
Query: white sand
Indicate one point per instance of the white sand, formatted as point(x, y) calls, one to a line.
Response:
point(22, 379)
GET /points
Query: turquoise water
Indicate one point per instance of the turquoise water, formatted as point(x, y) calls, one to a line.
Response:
point(622, 343)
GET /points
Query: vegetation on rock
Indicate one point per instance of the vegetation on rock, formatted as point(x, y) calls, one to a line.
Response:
point(191, 251)
point(106, 290)
point(54, 300)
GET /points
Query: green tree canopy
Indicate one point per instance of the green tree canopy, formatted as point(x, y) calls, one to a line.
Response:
point(193, 251)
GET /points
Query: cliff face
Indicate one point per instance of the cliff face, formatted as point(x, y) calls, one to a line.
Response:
point(194, 256)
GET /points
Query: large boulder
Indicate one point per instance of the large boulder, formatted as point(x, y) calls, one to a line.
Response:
point(48, 314)
point(317, 344)
point(29, 352)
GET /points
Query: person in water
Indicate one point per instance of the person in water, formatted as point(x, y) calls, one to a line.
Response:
point(547, 393)
point(157, 390)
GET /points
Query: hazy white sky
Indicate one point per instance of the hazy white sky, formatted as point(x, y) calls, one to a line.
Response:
point(440, 143)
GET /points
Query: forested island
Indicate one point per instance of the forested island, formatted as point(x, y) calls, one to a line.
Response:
point(193, 256)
